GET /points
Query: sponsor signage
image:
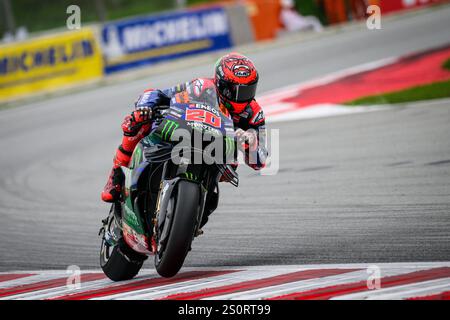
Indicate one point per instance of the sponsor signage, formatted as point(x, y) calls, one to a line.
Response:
point(397, 5)
point(48, 63)
point(146, 40)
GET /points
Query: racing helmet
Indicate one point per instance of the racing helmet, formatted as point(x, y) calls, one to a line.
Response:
point(236, 79)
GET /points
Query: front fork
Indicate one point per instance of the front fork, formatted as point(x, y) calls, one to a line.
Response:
point(163, 218)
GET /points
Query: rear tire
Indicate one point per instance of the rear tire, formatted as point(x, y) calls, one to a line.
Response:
point(122, 262)
point(182, 230)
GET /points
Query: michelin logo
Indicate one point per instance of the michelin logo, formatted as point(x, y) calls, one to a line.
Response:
point(159, 33)
point(111, 47)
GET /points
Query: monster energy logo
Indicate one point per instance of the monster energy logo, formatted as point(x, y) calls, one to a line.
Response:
point(169, 128)
point(229, 145)
point(190, 176)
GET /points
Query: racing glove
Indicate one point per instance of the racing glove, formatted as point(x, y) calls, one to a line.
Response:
point(247, 140)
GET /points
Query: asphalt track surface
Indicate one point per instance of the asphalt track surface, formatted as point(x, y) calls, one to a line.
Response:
point(371, 187)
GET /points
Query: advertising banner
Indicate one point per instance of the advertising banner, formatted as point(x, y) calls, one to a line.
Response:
point(48, 63)
point(146, 40)
point(398, 5)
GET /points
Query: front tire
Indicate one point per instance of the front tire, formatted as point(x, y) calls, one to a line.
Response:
point(170, 261)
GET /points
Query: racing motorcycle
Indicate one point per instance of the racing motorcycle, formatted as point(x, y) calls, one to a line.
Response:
point(170, 186)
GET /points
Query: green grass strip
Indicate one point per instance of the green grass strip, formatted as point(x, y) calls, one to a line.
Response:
point(437, 90)
point(446, 65)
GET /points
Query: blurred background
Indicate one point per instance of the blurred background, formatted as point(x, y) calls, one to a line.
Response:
point(33, 16)
point(112, 25)
point(46, 14)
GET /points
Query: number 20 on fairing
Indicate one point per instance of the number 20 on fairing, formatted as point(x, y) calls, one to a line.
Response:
point(204, 116)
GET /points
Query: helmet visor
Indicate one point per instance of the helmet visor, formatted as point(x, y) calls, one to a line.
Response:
point(237, 92)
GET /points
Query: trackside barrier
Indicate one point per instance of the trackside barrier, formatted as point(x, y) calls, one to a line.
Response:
point(145, 40)
point(66, 59)
point(388, 6)
point(242, 31)
point(49, 63)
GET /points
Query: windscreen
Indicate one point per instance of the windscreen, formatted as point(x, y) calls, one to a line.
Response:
point(201, 93)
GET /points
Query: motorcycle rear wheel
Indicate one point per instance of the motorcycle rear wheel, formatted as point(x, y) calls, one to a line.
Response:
point(120, 262)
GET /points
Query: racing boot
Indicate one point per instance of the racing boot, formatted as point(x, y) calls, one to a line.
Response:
point(135, 126)
point(113, 188)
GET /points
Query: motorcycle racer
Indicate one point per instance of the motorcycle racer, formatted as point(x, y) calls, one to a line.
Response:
point(235, 81)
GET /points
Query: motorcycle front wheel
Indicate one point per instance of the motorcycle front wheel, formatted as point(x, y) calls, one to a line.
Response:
point(185, 203)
